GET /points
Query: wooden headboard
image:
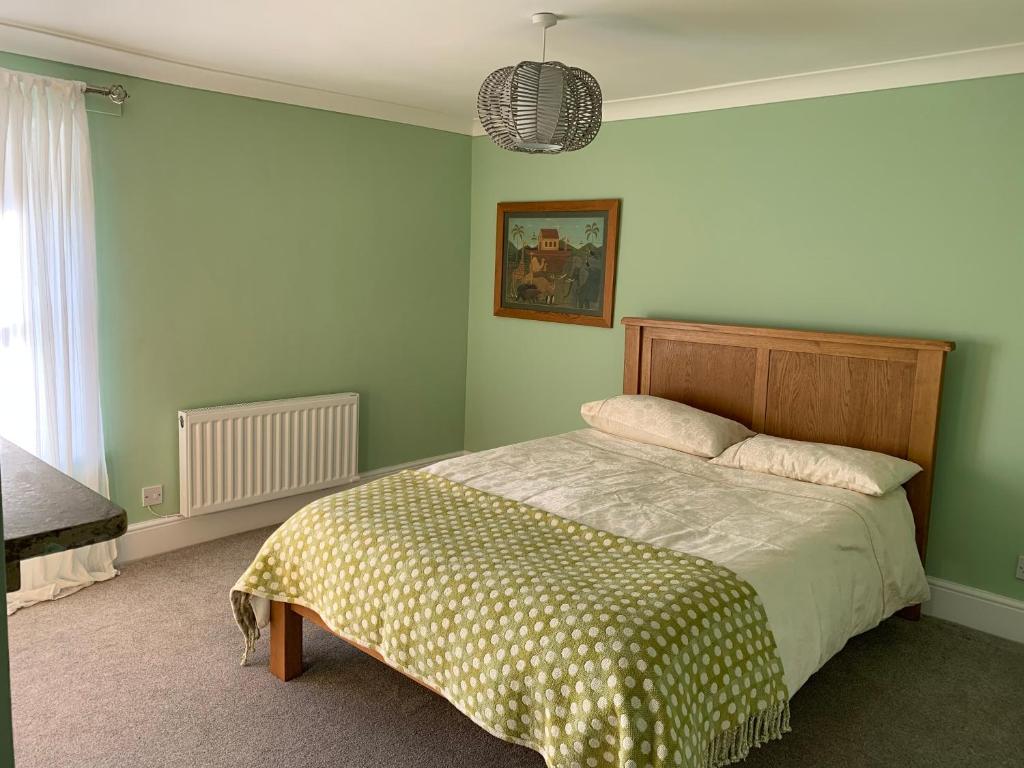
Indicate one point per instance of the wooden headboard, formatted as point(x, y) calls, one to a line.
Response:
point(871, 392)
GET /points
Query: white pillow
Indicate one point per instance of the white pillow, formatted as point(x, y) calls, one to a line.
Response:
point(667, 423)
point(837, 465)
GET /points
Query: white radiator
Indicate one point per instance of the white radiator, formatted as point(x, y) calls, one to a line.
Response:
point(236, 455)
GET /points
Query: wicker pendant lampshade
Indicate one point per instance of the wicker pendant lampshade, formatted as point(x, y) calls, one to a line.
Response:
point(541, 107)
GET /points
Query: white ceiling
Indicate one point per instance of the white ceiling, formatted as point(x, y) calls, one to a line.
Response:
point(432, 56)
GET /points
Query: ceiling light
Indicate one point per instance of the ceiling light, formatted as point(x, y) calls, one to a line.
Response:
point(541, 107)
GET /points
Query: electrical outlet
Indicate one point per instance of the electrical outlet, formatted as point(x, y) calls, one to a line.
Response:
point(152, 495)
point(1020, 567)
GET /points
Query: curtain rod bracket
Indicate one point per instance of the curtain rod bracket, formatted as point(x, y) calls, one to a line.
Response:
point(116, 93)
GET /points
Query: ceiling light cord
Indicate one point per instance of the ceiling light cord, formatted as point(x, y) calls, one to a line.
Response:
point(545, 20)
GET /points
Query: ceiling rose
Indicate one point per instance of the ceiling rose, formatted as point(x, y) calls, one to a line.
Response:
point(540, 107)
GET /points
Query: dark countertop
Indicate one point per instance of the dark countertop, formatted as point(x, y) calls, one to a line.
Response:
point(45, 511)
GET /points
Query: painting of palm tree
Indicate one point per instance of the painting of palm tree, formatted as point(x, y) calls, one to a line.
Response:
point(556, 261)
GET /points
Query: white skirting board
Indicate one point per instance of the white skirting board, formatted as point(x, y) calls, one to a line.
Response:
point(975, 608)
point(157, 536)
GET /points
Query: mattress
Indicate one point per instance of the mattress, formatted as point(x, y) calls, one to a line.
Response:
point(828, 563)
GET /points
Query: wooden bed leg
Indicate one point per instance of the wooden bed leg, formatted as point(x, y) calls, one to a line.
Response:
point(910, 613)
point(285, 641)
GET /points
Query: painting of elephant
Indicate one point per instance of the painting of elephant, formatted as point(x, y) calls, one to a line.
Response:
point(556, 261)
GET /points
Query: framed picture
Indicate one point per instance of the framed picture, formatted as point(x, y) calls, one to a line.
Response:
point(556, 261)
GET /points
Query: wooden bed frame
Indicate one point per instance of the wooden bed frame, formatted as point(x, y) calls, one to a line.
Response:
point(875, 392)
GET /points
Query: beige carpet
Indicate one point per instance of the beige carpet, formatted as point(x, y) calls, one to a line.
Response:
point(143, 671)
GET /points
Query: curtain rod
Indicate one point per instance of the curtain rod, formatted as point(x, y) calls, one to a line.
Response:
point(116, 93)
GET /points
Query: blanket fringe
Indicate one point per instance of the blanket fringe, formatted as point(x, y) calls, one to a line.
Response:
point(732, 746)
point(245, 617)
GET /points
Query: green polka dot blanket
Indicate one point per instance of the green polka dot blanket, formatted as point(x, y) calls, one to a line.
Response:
point(593, 649)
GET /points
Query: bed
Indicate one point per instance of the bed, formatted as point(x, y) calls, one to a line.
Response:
point(807, 566)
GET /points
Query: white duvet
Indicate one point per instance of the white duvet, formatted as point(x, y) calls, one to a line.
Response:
point(828, 563)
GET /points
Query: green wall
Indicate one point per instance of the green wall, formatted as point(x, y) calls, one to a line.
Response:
point(250, 250)
point(896, 212)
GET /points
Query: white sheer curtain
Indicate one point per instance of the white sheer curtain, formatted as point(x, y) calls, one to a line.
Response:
point(49, 379)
